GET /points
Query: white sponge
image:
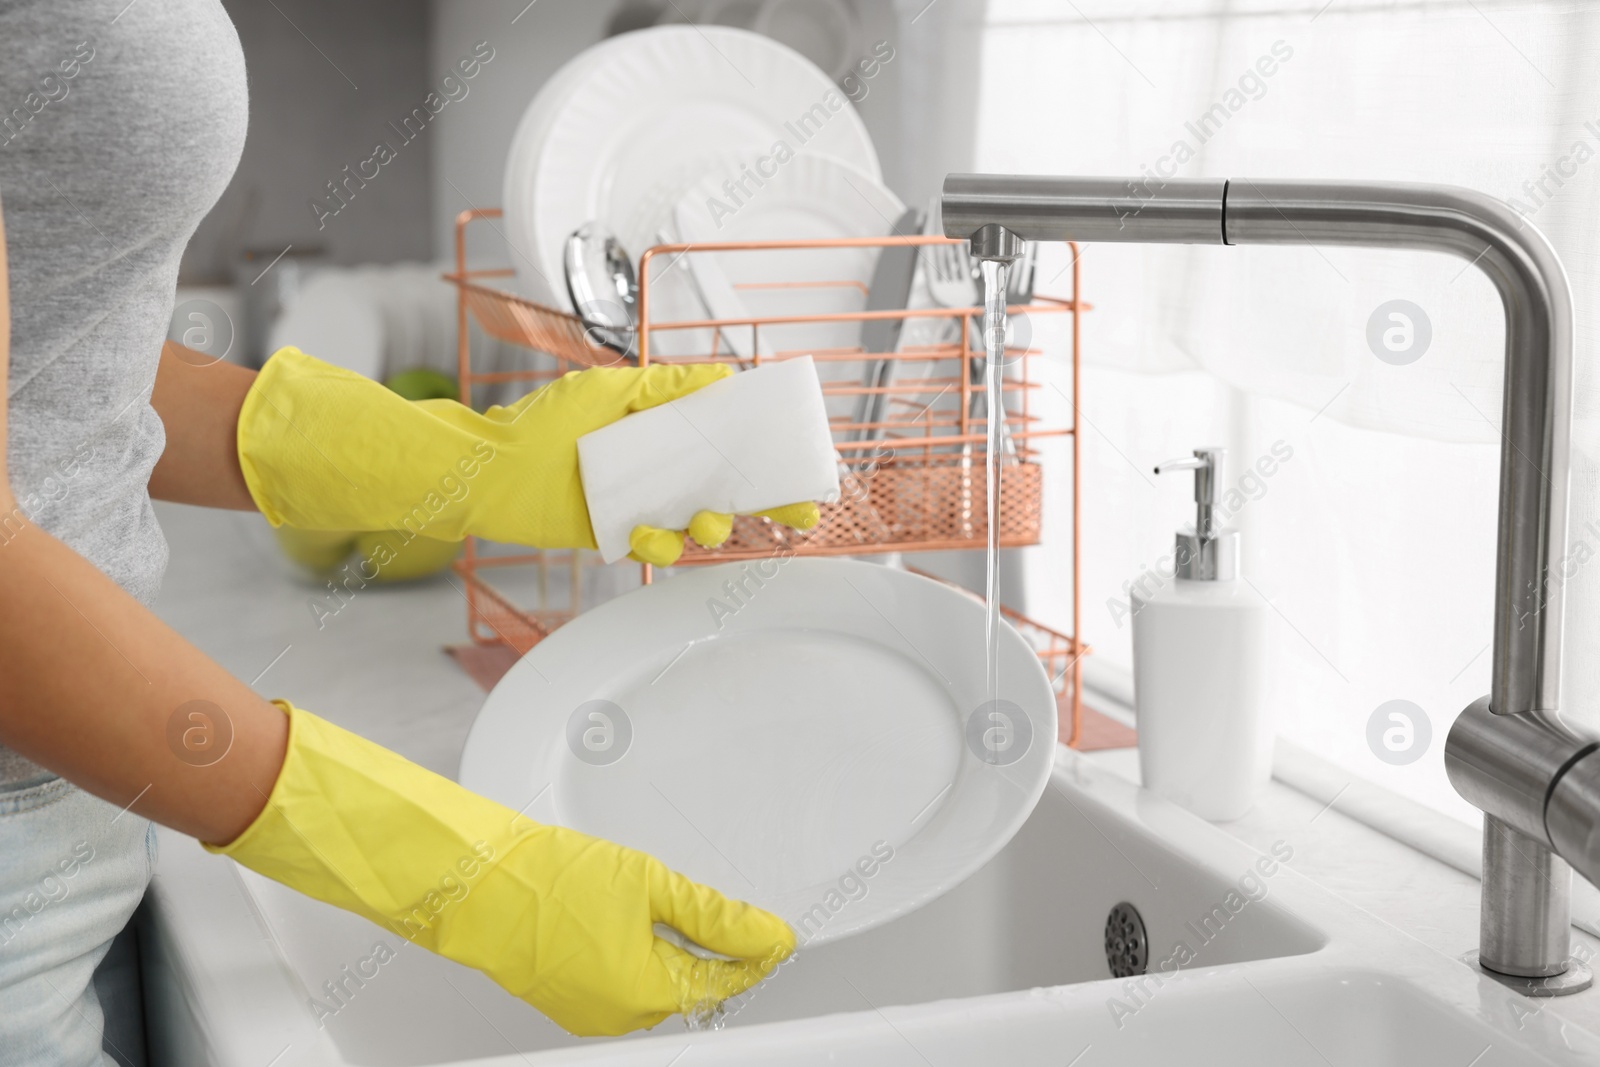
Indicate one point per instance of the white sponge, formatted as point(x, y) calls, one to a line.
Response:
point(757, 440)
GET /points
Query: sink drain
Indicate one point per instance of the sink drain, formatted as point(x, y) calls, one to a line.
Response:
point(1127, 947)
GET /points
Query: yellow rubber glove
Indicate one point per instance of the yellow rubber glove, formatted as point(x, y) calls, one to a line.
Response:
point(323, 448)
point(562, 920)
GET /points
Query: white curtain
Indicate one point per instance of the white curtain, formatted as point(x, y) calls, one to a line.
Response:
point(1375, 541)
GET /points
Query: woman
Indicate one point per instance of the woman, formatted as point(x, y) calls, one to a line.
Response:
point(123, 123)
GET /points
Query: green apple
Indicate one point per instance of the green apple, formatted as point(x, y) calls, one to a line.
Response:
point(424, 383)
point(395, 559)
point(318, 551)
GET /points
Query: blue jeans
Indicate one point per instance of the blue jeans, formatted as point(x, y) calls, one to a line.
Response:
point(72, 870)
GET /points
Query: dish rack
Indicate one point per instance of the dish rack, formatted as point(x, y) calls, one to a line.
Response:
point(913, 480)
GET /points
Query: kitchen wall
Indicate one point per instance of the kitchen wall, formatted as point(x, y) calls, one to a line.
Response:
point(326, 82)
point(473, 137)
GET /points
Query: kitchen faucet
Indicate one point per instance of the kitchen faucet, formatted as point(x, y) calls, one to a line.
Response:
point(1536, 778)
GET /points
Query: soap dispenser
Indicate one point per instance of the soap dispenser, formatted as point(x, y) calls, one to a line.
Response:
point(1199, 636)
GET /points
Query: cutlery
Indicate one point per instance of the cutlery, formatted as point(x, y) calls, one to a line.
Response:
point(603, 288)
point(717, 296)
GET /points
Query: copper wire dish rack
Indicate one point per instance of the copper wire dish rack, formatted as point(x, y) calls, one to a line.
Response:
point(912, 482)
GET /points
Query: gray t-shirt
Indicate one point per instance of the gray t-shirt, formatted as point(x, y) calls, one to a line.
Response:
point(120, 125)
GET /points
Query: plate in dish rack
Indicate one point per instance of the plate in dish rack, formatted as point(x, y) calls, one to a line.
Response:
point(811, 735)
point(808, 198)
point(654, 110)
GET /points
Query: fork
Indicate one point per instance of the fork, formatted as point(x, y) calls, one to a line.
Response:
point(951, 280)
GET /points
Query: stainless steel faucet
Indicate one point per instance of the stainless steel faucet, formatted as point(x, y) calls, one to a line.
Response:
point(1536, 778)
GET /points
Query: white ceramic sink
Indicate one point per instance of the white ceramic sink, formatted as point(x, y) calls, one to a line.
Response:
point(1009, 968)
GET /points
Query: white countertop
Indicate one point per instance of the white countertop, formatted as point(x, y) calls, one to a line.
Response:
point(1432, 901)
point(377, 667)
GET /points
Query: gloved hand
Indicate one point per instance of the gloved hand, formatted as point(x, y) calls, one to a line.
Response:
point(561, 920)
point(323, 448)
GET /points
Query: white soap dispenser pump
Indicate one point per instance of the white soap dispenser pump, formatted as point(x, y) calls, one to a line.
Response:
point(1199, 637)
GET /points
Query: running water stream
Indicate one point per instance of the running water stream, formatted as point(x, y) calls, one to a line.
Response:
point(996, 277)
point(706, 1013)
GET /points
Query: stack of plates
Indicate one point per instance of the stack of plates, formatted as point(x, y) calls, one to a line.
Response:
point(641, 133)
point(335, 318)
point(374, 320)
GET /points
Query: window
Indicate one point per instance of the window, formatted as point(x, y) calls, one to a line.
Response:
point(1375, 541)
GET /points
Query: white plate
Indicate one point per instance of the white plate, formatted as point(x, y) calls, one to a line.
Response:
point(778, 749)
point(651, 112)
point(697, 288)
point(807, 198)
point(518, 188)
